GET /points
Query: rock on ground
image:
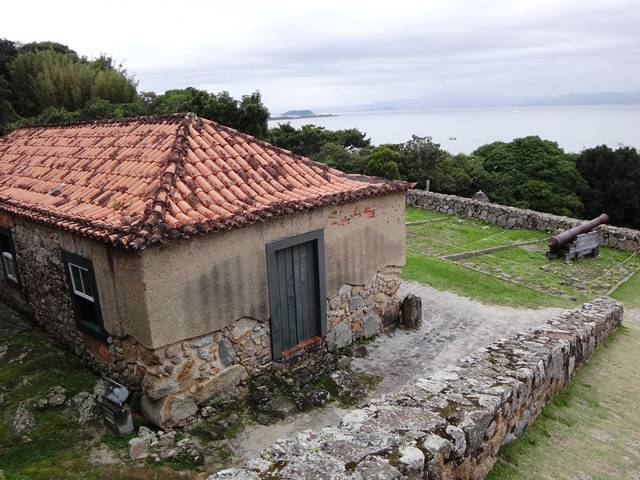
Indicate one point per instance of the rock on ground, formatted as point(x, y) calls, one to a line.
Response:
point(347, 386)
point(24, 421)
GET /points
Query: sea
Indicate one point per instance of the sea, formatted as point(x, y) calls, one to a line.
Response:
point(463, 130)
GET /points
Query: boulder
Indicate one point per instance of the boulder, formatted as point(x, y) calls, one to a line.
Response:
point(234, 474)
point(168, 411)
point(221, 387)
point(23, 421)
point(226, 352)
point(376, 468)
point(480, 196)
point(139, 448)
point(412, 462)
point(340, 336)
point(84, 406)
point(372, 323)
point(412, 311)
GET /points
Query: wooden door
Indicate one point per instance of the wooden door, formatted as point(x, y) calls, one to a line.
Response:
point(296, 291)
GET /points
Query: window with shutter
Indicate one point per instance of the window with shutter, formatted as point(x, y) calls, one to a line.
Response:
point(83, 289)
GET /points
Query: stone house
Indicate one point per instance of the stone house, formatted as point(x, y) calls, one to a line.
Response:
point(181, 257)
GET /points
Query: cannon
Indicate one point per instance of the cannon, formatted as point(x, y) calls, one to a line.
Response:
point(577, 242)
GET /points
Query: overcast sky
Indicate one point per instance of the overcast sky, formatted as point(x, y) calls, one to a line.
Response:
point(303, 54)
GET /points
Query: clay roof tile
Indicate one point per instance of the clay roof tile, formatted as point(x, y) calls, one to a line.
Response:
point(136, 181)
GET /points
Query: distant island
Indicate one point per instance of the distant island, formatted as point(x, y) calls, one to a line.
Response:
point(295, 114)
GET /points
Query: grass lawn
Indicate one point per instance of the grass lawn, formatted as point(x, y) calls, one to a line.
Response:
point(58, 448)
point(592, 429)
point(444, 275)
point(503, 277)
point(629, 292)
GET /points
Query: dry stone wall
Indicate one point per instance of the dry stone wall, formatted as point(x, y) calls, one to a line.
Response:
point(451, 424)
point(511, 217)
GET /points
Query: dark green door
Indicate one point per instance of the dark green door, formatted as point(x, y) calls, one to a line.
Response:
point(296, 288)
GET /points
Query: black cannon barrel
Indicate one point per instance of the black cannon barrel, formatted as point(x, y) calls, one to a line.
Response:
point(567, 236)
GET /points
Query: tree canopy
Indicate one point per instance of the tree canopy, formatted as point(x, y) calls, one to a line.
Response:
point(49, 83)
point(612, 184)
point(532, 173)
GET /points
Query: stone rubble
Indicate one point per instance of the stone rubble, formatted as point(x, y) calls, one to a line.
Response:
point(450, 424)
point(162, 445)
point(511, 217)
point(24, 420)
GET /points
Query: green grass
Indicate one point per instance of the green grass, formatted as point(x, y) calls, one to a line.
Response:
point(591, 428)
point(455, 235)
point(629, 292)
point(58, 449)
point(552, 283)
point(570, 279)
point(444, 275)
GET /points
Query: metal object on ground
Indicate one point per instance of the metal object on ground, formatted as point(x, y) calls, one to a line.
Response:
point(117, 415)
point(577, 242)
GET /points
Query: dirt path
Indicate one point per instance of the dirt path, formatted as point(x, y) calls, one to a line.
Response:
point(453, 326)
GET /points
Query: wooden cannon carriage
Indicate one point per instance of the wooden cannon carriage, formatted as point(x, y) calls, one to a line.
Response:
point(578, 242)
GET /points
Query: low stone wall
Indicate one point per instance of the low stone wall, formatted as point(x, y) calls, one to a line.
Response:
point(451, 424)
point(511, 217)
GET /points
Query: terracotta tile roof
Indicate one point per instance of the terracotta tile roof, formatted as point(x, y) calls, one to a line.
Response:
point(147, 180)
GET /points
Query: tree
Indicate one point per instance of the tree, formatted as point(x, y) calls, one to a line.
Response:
point(532, 173)
point(457, 175)
point(48, 78)
point(309, 139)
point(382, 161)
point(248, 115)
point(418, 157)
point(336, 156)
point(612, 184)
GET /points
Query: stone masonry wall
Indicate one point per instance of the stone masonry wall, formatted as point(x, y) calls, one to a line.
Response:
point(451, 424)
point(362, 311)
point(45, 294)
point(511, 217)
point(178, 379)
point(190, 374)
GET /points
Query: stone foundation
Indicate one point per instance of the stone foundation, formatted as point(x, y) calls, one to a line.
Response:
point(511, 217)
point(451, 424)
point(187, 375)
point(362, 311)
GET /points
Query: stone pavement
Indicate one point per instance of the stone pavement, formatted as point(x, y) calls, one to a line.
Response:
point(452, 327)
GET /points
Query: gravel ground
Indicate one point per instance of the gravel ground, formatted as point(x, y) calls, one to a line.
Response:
point(453, 326)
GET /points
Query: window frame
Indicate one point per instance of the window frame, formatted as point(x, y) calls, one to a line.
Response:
point(95, 326)
point(74, 287)
point(13, 280)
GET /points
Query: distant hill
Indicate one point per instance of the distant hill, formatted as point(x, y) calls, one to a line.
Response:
point(298, 113)
point(295, 114)
point(448, 100)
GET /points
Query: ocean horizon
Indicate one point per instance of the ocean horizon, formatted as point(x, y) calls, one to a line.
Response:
point(462, 130)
